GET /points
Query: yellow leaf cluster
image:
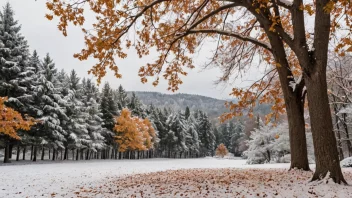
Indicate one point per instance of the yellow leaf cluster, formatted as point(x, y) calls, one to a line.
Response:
point(133, 133)
point(174, 29)
point(11, 121)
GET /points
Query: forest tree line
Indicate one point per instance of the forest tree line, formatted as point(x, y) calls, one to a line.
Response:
point(75, 120)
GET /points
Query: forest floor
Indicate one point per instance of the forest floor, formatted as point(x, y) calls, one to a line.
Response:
point(206, 177)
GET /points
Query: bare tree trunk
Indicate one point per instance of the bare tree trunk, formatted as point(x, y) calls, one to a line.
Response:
point(87, 154)
point(81, 154)
point(54, 154)
point(7, 153)
point(66, 153)
point(18, 153)
point(24, 153)
point(32, 153)
point(43, 153)
point(11, 148)
point(77, 154)
point(338, 132)
point(35, 154)
point(349, 145)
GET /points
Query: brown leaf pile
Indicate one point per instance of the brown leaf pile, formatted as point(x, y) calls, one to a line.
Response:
point(227, 182)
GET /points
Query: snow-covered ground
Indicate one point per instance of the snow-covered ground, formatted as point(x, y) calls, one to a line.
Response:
point(71, 179)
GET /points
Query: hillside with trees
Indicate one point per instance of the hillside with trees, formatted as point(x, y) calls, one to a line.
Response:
point(212, 106)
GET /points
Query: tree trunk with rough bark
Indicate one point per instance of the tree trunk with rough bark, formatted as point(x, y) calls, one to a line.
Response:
point(11, 148)
point(54, 154)
point(18, 153)
point(338, 132)
point(43, 153)
point(66, 153)
point(325, 148)
point(77, 154)
point(7, 153)
point(31, 153)
point(294, 100)
point(35, 154)
point(24, 153)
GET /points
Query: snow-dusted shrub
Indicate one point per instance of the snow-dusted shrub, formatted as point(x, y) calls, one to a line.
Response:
point(271, 144)
point(221, 150)
point(259, 146)
point(346, 162)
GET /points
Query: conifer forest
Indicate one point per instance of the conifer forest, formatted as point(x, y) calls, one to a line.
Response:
point(286, 132)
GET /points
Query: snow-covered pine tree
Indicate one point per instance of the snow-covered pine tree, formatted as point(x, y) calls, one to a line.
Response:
point(205, 134)
point(13, 57)
point(121, 98)
point(94, 120)
point(16, 75)
point(108, 111)
point(177, 133)
point(30, 77)
point(218, 136)
point(192, 139)
point(47, 96)
point(237, 134)
point(162, 130)
point(226, 130)
point(187, 113)
point(76, 110)
point(136, 107)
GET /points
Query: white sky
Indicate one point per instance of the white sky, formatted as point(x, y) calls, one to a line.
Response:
point(44, 36)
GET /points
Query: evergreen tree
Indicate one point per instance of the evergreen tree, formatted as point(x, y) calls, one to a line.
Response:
point(136, 107)
point(177, 133)
point(51, 105)
point(236, 137)
point(76, 110)
point(192, 139)
point(121, 98)
point(206, 134)
point(108, 111)
point(14, 71)
point(94, 120)
point(187, 113)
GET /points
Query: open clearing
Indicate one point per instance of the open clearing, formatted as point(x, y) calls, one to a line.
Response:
point(206, 177)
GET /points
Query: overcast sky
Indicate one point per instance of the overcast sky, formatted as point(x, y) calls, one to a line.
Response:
point(44, 36)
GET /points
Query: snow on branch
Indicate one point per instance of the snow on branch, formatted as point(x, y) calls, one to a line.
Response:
point(286, 2)
point(295, 82)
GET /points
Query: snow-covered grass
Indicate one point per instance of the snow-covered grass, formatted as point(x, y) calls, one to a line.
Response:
point(86, 178)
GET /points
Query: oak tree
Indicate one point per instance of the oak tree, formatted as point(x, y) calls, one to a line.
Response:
point(284, 34)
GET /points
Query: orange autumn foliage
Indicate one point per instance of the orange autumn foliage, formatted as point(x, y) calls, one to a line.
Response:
point(11, 121)
point(133, 133)
point(221, 150)
point(177, 29)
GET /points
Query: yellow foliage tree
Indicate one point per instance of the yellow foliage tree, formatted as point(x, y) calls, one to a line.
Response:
point(221, 150)
point(133, 133)
point(10, 122)
point(148, 133)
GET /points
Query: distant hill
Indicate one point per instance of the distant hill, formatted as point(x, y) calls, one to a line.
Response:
point(213, 107)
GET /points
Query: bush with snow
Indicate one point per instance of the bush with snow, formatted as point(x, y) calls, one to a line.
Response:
point(346, 162)
point(271, 144)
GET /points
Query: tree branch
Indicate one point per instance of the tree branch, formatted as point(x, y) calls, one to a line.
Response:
point(232, 34)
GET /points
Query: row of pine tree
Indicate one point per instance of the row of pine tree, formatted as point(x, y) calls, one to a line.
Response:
point(76, 120)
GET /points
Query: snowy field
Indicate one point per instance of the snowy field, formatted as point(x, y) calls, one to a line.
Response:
point(212, 177)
